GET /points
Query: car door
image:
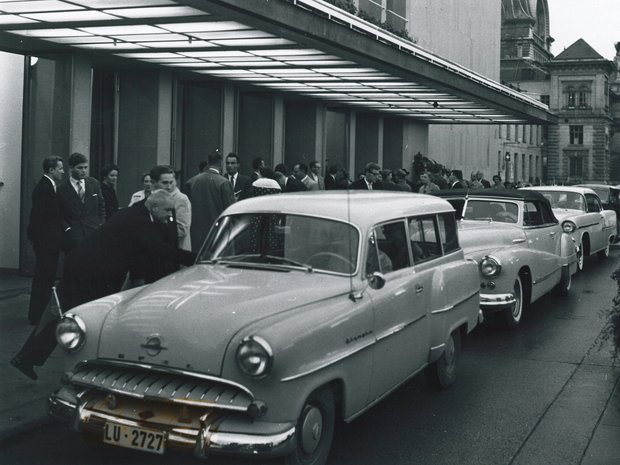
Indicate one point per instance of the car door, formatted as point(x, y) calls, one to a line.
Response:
point(544, 235)
point(596, 223)
point(401, 322)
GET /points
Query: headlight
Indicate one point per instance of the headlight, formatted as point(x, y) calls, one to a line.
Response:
point(568, 226)
point(254, 356)
point(71, 332)
point(490, 266)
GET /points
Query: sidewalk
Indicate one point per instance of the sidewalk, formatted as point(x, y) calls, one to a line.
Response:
point(22, 401)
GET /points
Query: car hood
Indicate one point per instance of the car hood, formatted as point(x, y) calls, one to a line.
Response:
point(479, 238)
point(195, 312)
point(563, 214)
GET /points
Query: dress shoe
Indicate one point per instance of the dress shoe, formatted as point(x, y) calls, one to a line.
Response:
point(25, 367)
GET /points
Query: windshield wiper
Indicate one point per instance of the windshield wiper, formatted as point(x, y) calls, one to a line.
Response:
point(241, 259)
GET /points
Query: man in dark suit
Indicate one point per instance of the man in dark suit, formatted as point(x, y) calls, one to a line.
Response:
point(370, 180)
point(210, 194)
point(456, 180)
point(81, 202)
point(241, 184)
point(45, 233)
point(288, 183)
point(97, 267)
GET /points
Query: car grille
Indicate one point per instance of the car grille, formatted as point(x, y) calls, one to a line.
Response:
point(163, 384)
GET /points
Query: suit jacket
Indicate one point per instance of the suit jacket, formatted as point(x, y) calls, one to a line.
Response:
point(45, 224)
point(243, 186)
point(128, 241)
point(485, 183)
point(293, 185)
point(82, 218)
point(310, 183)
point(318, 179)
point(209, 193)
point(360, 184)
point(330, 183)
point(458, 185)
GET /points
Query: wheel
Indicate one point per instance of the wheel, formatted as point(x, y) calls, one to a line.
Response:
point(315, 430)
point(580, 257)
point(512, 317)
point(563, 287)
point(603, 254)
point(324, 258)
point(441, 374)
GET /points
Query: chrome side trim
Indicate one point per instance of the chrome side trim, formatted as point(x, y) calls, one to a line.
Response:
point(446, 309)
point(540, 280)
point(398, 328)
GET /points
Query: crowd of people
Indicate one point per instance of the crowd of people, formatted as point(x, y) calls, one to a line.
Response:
point(108, 248)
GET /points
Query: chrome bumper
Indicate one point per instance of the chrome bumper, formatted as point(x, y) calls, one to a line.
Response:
point(201, 441)
point(490, 303)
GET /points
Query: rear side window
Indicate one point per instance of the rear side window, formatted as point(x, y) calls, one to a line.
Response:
point(532, 215)
point(593, 203)
point(388, 250)
point(424, 239)
point(447, 232)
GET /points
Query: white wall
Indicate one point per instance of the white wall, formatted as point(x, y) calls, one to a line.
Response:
point(467, 33)
point(11, 104)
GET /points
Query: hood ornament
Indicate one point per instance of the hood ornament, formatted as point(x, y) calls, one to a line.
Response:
point(153, 345)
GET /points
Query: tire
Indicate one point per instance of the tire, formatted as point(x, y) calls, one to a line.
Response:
point(512, 316)
point(604, 254)
point(441, 374)
point(315, 430)
point(563, 287)
point(580, 257)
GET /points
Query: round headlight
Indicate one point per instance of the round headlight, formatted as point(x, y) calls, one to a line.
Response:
point(568, 226)
point(71, 332)
point(254, 356)
point(490, 266)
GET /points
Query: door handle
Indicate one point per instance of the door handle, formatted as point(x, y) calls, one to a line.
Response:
point(552, 233)
point(419, 289)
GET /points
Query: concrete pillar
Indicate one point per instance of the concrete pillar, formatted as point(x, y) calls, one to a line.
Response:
point(80, 106)
point(164, 119)
point(278, 130)
point(228, 119)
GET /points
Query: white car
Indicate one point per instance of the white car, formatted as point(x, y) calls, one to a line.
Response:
point(301, 308)
point(581, 215)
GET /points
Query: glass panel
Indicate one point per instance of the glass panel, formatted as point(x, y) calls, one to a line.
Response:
point(391, 241)
point(255, 128)
point(423, 239)
point(279, 239)
point(447, 232)
point(532, 215)
point(102, 126)
point(487, 210)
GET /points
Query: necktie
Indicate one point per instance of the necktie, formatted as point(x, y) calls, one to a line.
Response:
point(232, 180)
point(80, 191)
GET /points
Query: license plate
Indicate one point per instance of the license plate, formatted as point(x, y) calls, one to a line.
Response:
point(133, 438)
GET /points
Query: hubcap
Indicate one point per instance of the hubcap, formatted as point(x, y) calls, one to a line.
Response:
point(450, 355)
point(516, 313)
point(311, 429)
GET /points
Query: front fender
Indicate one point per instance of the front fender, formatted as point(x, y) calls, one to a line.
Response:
point(568, 251)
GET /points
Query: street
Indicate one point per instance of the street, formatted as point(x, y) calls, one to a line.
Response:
point(538, 395)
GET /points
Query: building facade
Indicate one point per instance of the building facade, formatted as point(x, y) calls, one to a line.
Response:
point(287, 81)
point(579, 87)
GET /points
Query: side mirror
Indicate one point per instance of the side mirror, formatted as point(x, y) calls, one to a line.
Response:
point(376, 280)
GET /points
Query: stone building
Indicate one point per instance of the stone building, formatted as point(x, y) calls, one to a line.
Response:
point(580, 87)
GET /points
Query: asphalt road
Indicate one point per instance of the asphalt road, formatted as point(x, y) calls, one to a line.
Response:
point(532, 396)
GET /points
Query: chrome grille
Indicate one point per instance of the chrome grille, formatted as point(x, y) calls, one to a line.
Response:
point(164, 384)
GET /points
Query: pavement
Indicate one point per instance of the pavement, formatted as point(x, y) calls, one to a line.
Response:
point(22, 401)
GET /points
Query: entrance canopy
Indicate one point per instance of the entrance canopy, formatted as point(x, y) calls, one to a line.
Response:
point(307, 47)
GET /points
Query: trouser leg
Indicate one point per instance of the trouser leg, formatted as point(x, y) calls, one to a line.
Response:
point(42, 282)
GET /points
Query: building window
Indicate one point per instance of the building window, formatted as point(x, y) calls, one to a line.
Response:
point(576, 135)
point(508, 131)
point(583, 97)
point(545, 99)
point(571, 97)
point(575, 167)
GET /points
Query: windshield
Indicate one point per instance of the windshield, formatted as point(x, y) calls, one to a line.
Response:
point(491, 210)
point(562, 199)
point(316, 244)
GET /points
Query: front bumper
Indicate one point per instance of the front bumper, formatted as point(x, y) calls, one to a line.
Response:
point(492, 303)
point(201, 436)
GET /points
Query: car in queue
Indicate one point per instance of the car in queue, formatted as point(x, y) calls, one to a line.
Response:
point(610, 200)
point(301, 310)
point(519, 246)
point(582, 216)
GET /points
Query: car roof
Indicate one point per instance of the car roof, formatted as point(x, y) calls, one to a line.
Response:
point(362, 208)
point(598, 186)
point(514, 194)
point(575, 189)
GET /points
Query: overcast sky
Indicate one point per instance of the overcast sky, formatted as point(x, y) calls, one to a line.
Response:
point(595, 21)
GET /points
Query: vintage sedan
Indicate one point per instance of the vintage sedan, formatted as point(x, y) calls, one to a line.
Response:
point(301, 309)
point(610, 200)
point(519, 246)
point(581, 214)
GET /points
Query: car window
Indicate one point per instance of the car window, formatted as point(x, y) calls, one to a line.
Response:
point(491, 210)
point(568, 200)
point(424, 239)
point(388, 249)
point(593, 203)
point(547, 214)
point(602, 192)
point(532, 215)
point(447, 232)
point(458, 205)
point(284, 239)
